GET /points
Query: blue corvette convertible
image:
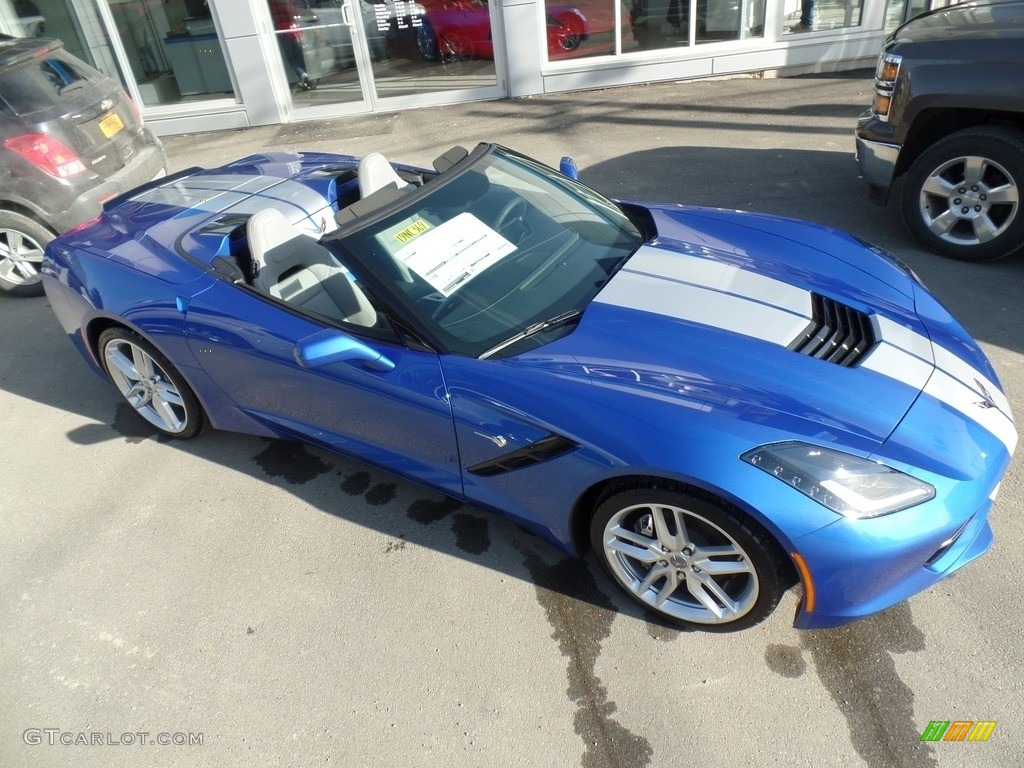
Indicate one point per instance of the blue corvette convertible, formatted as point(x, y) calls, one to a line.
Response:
point(720, 404)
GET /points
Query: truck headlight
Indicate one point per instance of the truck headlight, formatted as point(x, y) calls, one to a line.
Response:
point(886, 72)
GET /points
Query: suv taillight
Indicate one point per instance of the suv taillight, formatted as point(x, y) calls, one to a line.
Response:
point(47, 153)
point(886, 72)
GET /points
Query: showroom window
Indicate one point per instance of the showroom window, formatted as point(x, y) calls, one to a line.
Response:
point(819, 15)
point(587, 27)
point(169, 48)
point(173, 50)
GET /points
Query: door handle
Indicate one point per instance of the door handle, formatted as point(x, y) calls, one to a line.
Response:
point(346, 14)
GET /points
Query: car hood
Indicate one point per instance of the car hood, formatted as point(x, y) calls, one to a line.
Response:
point(969, 20)
point(716, 312)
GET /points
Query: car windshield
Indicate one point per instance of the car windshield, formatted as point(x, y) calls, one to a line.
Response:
point(498, 256)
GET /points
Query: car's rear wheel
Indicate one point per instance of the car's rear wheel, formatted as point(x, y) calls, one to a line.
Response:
point(963, 196)
point(693, 561)
point(150, 384)
point(22, 241)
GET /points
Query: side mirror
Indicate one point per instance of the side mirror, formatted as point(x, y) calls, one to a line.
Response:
point(567, 166)
point(330, 346)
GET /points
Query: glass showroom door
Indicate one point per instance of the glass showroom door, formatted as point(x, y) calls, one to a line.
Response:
point(358, 55)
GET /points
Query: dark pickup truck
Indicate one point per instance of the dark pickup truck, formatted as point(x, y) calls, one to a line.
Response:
point(948, 119)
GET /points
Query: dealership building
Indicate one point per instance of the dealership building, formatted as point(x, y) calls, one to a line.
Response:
point(197, 65)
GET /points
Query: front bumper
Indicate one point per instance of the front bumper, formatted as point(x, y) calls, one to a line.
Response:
point(880, 577)
point(877, 163)
point(860, 567)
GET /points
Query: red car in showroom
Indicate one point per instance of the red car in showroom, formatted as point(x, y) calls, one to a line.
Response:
point(461, 29)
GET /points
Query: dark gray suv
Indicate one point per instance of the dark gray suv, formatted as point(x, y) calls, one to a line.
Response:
point(70, 139)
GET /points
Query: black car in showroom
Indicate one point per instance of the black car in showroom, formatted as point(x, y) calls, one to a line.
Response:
point(70, 139)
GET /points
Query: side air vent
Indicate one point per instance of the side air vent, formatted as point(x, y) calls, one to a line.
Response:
point(545, 449)
point(836, 333)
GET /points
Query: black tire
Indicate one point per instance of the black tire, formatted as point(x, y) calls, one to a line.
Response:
point(153, 388)
point(22, 240)
point(573, 30)
point(753, 586)
point(426, 41)
point(964, 196)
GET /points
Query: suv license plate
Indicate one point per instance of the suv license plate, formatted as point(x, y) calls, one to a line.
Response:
point(110, 125)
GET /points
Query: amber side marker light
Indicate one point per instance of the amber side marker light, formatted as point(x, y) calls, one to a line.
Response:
point(881, 103)
point(805, 578)
point(888, 68)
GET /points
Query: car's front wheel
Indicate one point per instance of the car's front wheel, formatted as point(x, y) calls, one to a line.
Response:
point(150, 384)
point(22, 241)
point(426, 41)
point(691, 560)
point(963, 196)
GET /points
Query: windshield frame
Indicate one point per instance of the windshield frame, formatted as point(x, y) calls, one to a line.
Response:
point(354, 245)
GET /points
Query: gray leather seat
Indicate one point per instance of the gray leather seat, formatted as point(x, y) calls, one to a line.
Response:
point(295, 268)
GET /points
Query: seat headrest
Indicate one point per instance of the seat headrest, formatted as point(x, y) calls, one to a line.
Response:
point(375, 172)
point(268, 229)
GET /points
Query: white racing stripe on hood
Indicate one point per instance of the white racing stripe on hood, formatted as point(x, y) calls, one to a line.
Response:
point(722, 296)
point(958, 395)
point(710, 293)
point(899, 364)
point(905, 355)
point(973, 378)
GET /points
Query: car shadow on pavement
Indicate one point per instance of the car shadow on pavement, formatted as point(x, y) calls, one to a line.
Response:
point(400, 511)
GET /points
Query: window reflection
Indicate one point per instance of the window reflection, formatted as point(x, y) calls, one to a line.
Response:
point(816, 15)
point(580, 28)
point(670, 23)
point(173, 50)
point(414, 47)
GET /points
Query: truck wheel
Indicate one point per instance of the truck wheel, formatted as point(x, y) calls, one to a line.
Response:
point(963, 196)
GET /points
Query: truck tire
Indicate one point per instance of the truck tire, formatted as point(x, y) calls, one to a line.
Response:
point(964, 196)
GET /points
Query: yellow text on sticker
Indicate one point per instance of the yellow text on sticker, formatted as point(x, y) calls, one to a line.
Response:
point(414, 230)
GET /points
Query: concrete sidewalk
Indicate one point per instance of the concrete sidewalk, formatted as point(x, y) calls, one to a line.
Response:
point(595, 127)
point(776, 145)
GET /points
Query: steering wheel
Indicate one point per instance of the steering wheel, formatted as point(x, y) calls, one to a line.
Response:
point(513, 211)
point(447, 305)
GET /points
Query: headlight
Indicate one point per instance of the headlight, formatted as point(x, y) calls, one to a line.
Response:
point(854, 487)
point(886, 72)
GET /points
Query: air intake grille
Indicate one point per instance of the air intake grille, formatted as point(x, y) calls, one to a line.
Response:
point(836, 333)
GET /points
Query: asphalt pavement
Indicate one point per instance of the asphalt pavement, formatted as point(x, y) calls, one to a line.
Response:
point(255, 602)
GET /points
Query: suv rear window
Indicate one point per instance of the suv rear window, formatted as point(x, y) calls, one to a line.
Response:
point(45, 81)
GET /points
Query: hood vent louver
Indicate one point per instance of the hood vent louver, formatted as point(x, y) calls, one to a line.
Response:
point(837, 333)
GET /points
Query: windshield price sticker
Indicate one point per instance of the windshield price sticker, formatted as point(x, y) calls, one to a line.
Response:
point(453, 253)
